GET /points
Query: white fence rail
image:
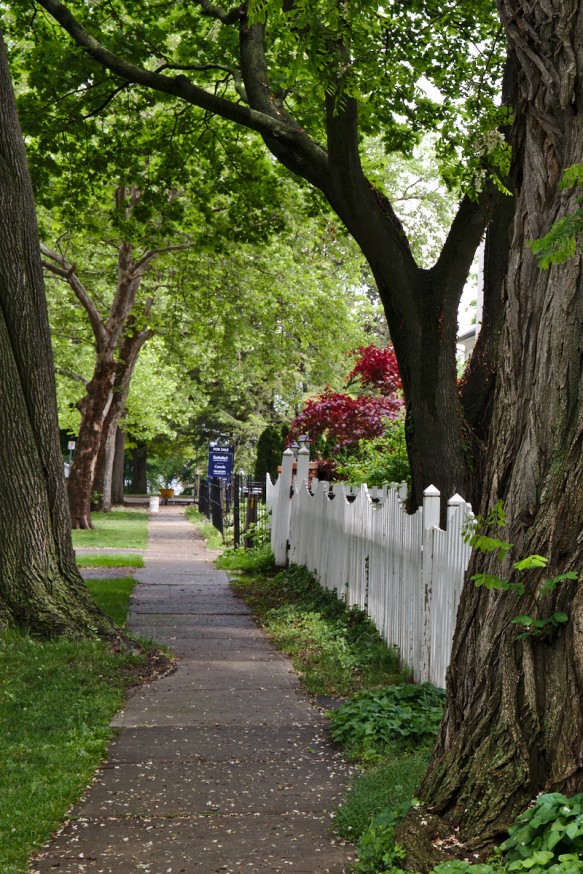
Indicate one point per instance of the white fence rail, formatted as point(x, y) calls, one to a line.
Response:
point(405, 571)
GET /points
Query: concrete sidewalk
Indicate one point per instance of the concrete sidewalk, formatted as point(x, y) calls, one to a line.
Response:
point(222, 766)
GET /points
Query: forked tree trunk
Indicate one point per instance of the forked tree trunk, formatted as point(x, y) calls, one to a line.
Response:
point(124, 370)
point(514, 721)
point(40, 587)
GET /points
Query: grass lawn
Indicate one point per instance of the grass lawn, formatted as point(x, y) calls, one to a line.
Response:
point(129, 559)
point(56, 701)
point(120, 529)
point(113, 596)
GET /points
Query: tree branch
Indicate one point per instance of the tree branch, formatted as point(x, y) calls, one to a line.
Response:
point(111, 96)
point(70, 374)
point(59, 265)
point(148, 256)
point(178, 86)
point(202, 68)
point(232, 16)
point(465, 234)
point(296, 151)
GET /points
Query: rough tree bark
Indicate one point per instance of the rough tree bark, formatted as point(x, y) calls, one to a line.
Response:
point(514, 722)
point(40, 587)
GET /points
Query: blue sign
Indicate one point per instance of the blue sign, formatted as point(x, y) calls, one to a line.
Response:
point(220, 462)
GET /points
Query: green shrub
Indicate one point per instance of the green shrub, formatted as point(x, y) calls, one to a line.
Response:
point(257, 559)
point(377, 461)
point(371, 720)
point(548, 836)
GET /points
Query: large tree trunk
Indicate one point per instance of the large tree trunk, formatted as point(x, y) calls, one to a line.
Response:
point(40, 587)
point(514, 722)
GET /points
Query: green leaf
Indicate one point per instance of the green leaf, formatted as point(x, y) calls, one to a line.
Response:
point(560, 617)
point(531, 561)
point(489, 581)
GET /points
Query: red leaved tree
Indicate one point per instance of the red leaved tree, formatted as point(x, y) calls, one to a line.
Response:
point(336, 421)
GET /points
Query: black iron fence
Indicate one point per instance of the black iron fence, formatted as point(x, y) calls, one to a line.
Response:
point(236, 508)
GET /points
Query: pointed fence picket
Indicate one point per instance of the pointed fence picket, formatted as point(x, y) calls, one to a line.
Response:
point(402, 569)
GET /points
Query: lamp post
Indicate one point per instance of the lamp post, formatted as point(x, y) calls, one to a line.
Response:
point(304, 442)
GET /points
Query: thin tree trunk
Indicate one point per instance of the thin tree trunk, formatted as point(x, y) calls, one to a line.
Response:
point(117, 477)
point(40, 587)
point(139, 484)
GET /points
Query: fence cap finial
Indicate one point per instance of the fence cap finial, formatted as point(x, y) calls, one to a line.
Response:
point(303, 450)
point(287, 452)
point(432, 492)
point(456, 501)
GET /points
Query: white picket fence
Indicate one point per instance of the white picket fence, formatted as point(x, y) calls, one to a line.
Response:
point(404, 570)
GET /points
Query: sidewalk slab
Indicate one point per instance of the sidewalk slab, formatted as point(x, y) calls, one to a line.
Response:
point(197, 788)
point(251, 844)
point(255, 743)
point(221, 766)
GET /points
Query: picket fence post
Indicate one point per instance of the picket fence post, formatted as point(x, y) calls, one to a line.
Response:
point(282, 511)
point(303, 470)
point(431, 507)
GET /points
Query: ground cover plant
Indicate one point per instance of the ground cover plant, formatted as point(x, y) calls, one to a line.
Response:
point(546, 839)
point(56, 701)
point(119, 529)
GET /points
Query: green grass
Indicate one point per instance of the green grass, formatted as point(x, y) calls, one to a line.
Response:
point(120, 529)
point(213, 538)
point(129, 559)
point(113, 596)
point(387, 784)
point(57, 699)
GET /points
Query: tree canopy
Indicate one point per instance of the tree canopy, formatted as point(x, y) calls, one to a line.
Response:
point(314, 83)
